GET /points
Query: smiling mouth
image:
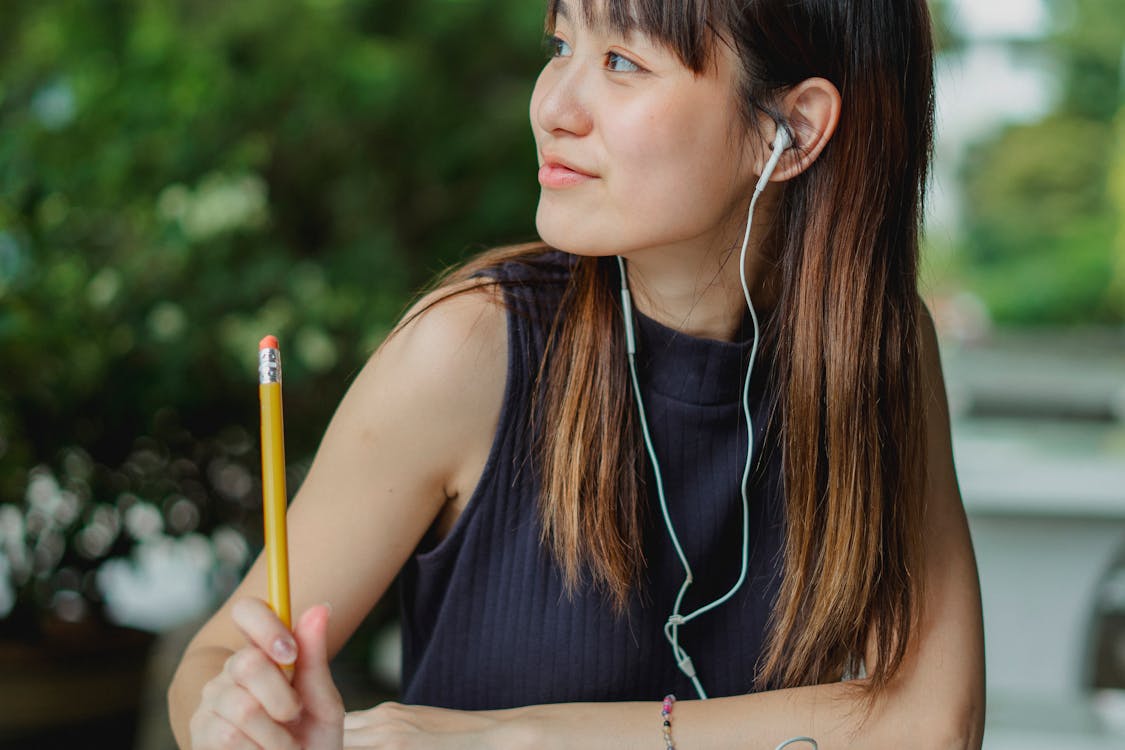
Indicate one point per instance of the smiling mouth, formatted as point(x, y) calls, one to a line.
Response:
point(553, 175)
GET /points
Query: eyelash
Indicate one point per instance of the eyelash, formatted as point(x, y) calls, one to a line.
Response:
point(554, 46)
point(634, 68)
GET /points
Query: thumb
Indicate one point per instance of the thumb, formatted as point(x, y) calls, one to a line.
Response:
point(311, 677)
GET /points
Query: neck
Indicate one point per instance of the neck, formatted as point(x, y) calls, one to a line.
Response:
point(694, 287)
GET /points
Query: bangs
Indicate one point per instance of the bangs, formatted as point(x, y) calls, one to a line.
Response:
point(684, 26)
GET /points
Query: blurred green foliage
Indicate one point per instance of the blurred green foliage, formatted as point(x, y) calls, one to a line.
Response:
point(1117, 201)
point(1042, 220)
point(178, 179)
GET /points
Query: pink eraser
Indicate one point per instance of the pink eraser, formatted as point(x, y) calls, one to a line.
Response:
point(269, 342)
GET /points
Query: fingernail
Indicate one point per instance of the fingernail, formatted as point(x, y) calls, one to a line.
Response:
point(285, 650)
point(328, 605)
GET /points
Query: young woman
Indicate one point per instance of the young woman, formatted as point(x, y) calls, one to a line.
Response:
point(696, 442)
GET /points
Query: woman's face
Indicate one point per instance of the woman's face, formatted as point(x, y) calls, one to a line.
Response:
point(635, 150)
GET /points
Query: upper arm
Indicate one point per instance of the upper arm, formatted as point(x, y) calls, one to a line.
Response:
point(944, 666)
point(416, 412)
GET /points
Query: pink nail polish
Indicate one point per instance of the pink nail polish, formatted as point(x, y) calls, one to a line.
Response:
point(284, 650)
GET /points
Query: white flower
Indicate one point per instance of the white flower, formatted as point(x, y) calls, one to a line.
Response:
point(143, 521)
point(165, 584)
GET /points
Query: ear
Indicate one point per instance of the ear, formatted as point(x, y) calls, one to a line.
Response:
point(812, 111)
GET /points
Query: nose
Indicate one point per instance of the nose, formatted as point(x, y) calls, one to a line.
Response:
point(558, 104)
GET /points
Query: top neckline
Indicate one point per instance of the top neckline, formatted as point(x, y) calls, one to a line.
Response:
point(696, 370)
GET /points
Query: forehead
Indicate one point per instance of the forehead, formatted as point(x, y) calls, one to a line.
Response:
point(615, 15)
point(686, 27)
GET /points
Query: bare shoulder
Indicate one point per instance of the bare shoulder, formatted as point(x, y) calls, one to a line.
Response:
point(445, 366)
point(459, 326)
point(451, 347)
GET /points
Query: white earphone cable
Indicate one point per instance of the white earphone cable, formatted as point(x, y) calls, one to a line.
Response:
point(675, 620)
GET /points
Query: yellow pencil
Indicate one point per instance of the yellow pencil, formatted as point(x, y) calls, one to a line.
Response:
point(273, 476)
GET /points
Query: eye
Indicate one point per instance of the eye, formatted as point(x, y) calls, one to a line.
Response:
point(620, 64)
point(556, 47)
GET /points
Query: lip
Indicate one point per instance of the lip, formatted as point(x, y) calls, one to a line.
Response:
point(559, 173)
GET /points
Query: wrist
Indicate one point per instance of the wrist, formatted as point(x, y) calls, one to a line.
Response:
point(520, 729)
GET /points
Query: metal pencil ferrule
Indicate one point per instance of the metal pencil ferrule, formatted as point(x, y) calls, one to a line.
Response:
point(269, 366)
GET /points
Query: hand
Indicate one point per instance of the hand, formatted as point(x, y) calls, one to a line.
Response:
point(395, 726)
point(251, 703)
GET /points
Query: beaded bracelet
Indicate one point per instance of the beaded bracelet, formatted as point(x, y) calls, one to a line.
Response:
point(666, 715)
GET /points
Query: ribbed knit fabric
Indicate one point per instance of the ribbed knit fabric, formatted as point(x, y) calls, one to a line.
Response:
point(486, 621)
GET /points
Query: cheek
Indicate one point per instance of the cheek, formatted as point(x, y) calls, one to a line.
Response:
point(533, 107)
point(683, 166)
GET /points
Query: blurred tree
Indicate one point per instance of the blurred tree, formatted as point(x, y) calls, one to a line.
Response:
point(1117, 198)
point(1040, 223)
point(1088, 46)
point(1117, 202)
point(178, 179)
point(1040, 228)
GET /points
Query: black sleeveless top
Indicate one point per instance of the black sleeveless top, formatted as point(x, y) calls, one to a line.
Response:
point(486, 621)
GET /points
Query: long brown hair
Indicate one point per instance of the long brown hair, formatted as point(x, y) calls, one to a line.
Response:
point(851, 418)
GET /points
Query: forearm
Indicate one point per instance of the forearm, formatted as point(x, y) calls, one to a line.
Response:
point(186, 690)
point(831, 714)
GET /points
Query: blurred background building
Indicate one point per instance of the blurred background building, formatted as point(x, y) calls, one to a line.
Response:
point(178, 178)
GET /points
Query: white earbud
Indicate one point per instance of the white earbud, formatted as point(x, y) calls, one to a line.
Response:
point(780, 144)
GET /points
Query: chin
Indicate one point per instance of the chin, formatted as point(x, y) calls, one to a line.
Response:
point(571, 234)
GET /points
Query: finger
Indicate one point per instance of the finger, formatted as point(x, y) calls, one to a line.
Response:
point(216, 732)
point(312, 677)
point(264, 629)
point(241, 710)
point(254, 671)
